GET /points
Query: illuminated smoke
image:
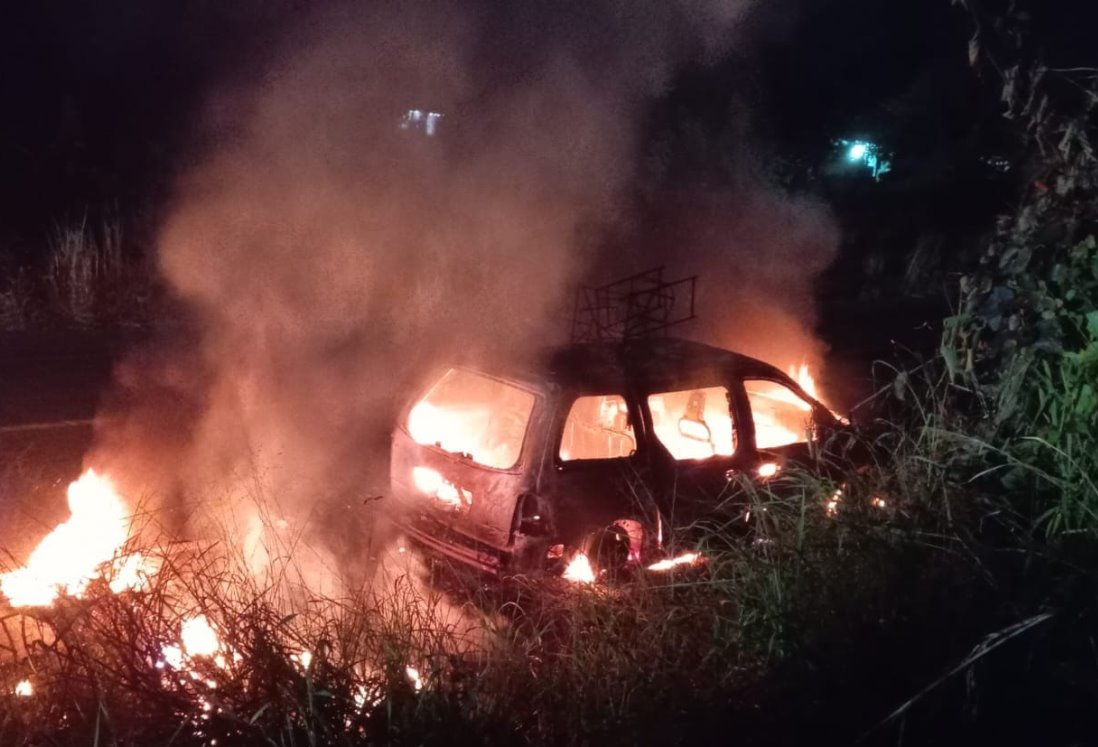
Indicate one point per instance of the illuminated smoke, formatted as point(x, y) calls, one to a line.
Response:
point(337, 236)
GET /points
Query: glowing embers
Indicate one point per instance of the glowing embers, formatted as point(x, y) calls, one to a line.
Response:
point(686, 560)
point(77, 550)
point(304, 659)
point(834, 503)
point(579, 570)
point(414, 677)
point(766, 470)
point(430, 482)
point(831, 508)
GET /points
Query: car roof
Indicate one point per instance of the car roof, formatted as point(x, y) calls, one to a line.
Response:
point(656, 364)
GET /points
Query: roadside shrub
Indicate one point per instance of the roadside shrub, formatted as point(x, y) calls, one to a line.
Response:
point(87, 279)
point(85, 268)
point(17, 306)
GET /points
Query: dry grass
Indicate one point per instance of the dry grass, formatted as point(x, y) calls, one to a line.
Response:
point(88, 279)
point(801, 623)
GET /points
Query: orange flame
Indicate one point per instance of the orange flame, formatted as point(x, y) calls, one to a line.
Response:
point(579, 570)
point(198, 636)
point(70, 556)
point(767, 470)
point(803, 376)
point(688, 559)
point(197, 639)
point(414, 677)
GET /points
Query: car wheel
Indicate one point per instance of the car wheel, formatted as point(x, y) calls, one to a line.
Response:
point(608, 554)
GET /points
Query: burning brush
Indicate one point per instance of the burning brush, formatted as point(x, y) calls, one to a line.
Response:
point(81, 549)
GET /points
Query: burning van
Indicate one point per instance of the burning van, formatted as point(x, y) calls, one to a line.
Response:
point(520, 469)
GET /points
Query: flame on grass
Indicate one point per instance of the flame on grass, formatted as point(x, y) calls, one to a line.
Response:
point(579, 570)
point(197, 639)
point(24, 689)
point(77, 550)
point(688, 559)
point(767, 470)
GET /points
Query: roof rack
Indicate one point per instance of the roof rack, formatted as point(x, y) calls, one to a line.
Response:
point(641, 305)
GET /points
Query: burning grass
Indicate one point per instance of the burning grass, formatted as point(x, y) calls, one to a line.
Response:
point(203, 655)
point(838, 603)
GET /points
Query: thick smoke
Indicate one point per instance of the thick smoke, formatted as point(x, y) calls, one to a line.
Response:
point(330, 255)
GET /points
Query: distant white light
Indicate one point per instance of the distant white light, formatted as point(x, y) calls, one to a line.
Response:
point(424, 121)
point(857, 151)
point(432, 122)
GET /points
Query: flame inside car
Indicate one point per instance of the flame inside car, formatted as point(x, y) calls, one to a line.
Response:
point(781, 416)
point(431, 482)
point(77, 550)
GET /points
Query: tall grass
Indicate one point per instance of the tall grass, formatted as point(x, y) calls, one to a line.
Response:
point(86, 278)
point(925, 604)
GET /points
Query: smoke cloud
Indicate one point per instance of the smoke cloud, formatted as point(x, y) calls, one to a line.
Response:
point(328, 255)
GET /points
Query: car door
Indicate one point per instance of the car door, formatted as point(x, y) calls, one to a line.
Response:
point(600, 471)
point(697, 441)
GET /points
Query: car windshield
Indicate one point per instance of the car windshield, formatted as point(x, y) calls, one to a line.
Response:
point(471, 414)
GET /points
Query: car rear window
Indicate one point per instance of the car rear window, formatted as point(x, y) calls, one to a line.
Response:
point(475, 415)
point(694, 423)
point(782, 417)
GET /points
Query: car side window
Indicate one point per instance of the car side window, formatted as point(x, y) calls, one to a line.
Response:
point(782, 417)
point(694, 423)
point(598, 427)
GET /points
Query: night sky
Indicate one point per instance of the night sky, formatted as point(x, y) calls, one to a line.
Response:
point(100, 98)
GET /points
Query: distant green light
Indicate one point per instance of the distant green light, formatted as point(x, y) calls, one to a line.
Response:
point(864, 154)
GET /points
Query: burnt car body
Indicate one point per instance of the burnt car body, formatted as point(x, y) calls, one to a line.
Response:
point(510, 470)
